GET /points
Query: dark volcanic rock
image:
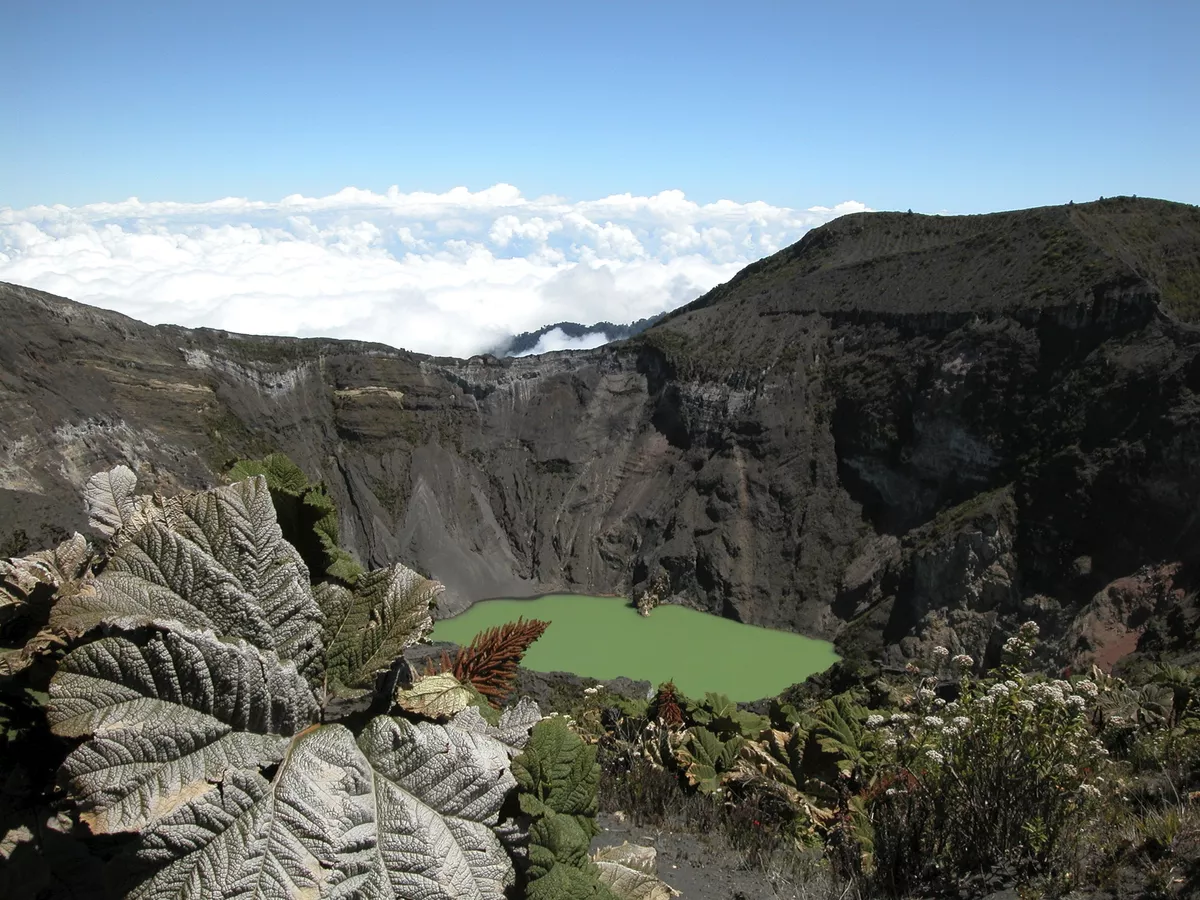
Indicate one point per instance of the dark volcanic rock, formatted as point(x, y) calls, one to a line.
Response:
point(901, 429)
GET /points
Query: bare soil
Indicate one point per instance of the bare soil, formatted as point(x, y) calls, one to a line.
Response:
point(704, 867)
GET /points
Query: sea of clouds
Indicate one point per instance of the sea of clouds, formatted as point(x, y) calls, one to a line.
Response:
point(448, 274)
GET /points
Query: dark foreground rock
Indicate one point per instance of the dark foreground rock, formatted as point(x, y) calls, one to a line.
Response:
point(903, 429)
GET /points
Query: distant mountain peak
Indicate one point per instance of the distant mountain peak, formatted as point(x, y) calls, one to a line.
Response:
point(571, 336)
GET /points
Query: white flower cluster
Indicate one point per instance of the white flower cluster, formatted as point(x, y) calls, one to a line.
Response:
point(940, 653)
point(1014, 646)
point(874, 721)
point(1087, 688)
point(1020, 645)
point(963, 660)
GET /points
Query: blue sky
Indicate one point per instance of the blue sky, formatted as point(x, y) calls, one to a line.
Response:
point(438, 176)
point(963, 106)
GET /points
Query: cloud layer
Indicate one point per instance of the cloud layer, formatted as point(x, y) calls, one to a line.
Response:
point(452, 273)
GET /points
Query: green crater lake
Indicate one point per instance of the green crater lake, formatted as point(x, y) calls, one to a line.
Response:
point(604, 637)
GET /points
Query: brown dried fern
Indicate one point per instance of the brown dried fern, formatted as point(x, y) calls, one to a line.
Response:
point(490, 661)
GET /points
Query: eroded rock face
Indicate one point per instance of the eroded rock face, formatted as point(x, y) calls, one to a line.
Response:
point(903, 430)
point(1117, 619)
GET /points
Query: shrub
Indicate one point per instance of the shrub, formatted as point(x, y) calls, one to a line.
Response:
point(1003, 779)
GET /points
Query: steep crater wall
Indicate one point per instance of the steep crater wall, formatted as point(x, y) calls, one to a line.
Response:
point(883, 438)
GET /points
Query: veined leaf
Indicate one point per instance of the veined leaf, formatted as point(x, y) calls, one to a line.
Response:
point(110, 499)
point(116, 512)
point(557, 842)
point(434, 696)
point(406, 811)
point(839, 731)
point(198, 721)
point(513, 728)
point(220, 565)
point(630, 872)
point(306, 514)
point(20, 578)
point(569, 883)
point(560, 771)
point(29, 586)
point(705, 757)
point(281, 473)
point(367, 628)
point(168, 718)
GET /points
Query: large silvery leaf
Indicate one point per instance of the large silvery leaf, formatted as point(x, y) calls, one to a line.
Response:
point(367, 628)
point(406, 811)
point(169, 716)
point(220, 564)
point(513, 728)
point(111, 502)
point(435, 697)
point(440, 790)
point(629, 871)
point(117, 512)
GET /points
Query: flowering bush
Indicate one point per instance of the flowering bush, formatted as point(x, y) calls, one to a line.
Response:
point(941, 779)
point(1003, 778)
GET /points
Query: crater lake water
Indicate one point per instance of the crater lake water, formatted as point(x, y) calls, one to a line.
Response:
point(603, 637)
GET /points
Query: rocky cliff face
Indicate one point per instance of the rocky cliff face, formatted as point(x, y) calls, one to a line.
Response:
point(901, 429)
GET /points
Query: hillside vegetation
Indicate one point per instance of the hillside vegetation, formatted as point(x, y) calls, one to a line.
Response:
point(188, 710)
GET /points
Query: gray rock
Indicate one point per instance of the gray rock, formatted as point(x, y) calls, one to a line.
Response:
point(780, 450)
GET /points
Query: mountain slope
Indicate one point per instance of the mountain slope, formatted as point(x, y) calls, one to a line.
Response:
point(901, 429)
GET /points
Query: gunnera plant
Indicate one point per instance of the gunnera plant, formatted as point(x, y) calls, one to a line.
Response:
point(202, 692)
point(306, 515)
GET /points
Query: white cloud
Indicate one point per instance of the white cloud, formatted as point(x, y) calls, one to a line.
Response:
point(450, 273)
point(557, 339)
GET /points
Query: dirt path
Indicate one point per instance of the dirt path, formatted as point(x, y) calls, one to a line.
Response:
point(701, 868)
